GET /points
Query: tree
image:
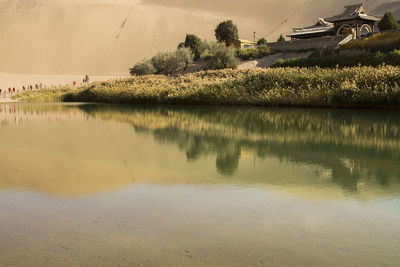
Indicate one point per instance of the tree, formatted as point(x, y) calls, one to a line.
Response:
point(195, 44)
point(160, 61)
point(223, 57)
point(227, 32)
point(262, 41)
point(281, 39)
point(170, 62)
point(180, 59)
point(144, 67)
point(388, 22)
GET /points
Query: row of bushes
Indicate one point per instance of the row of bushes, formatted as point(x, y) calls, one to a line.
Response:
point(311, 87)
point(164, 63)
point(218, 55)
point(343, 60)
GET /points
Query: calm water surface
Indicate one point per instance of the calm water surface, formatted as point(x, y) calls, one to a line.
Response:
point(91, 185)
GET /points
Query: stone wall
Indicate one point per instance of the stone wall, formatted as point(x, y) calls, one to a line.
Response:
point(321, 43)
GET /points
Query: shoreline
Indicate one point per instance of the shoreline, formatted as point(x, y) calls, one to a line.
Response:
point(349, 88)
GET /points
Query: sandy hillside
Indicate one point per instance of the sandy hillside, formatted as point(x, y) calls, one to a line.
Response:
point(80, 36)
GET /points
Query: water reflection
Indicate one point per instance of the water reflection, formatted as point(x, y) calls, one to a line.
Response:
point(357, 146)
point(355, 150)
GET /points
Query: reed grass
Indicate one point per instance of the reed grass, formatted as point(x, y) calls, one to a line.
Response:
point(358, 87)
point(310, 87)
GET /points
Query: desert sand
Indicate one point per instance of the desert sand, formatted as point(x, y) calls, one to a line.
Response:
point(86, 36)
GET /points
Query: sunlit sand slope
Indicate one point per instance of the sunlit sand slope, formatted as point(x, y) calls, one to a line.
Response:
point(80, 36)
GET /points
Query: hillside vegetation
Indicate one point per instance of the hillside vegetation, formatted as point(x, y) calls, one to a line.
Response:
point(382, 42)
point(335, 60)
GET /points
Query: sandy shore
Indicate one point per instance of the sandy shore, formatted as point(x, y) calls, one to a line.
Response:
point(18, 80)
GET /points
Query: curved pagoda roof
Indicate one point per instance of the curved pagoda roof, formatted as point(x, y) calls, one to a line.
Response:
point(321, 26)
point(354, 12)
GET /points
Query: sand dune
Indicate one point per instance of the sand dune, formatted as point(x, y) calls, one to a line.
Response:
point(80, 36)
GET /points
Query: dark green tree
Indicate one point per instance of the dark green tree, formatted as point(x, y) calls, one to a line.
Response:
point(194, 43)
point(262, 41)
point(281, 38)
point(388, 22)
point(227, 32)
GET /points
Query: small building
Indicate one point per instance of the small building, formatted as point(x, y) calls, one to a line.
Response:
point(243, 44)
point(354, 20)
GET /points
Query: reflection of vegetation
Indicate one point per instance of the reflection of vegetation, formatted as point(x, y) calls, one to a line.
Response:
point(356, 146)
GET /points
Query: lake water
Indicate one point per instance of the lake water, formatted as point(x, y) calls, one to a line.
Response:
point(90, 185)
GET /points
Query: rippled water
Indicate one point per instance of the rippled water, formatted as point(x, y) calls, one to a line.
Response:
point(96, 184)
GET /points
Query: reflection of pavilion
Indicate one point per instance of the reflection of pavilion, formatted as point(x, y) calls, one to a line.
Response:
point(354, 20)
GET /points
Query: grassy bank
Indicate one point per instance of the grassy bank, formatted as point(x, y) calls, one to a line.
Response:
point(373, 59)
point(43, 96)
point(383, 42)
point(364, 87)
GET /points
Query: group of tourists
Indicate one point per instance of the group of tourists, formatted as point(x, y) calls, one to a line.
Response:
point(13, 90)
point(37, 87)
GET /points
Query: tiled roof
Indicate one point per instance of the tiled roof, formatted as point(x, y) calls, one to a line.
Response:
point(353, 12)
point(320, 27)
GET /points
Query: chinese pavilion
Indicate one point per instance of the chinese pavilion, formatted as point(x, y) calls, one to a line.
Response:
point(354, 20)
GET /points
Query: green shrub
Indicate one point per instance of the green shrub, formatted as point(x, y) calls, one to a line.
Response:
point(252, 53)
point(160, 61)
point(179, 60)
point(144, 67)
point(206, 56)
point(383, 42)
point(262, 42)
point(170, 62)
point(223, 57)
point(281, 39)
point(206, 50)
point(346, 60)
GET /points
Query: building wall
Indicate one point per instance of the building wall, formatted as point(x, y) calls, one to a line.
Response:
point(308, 44)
